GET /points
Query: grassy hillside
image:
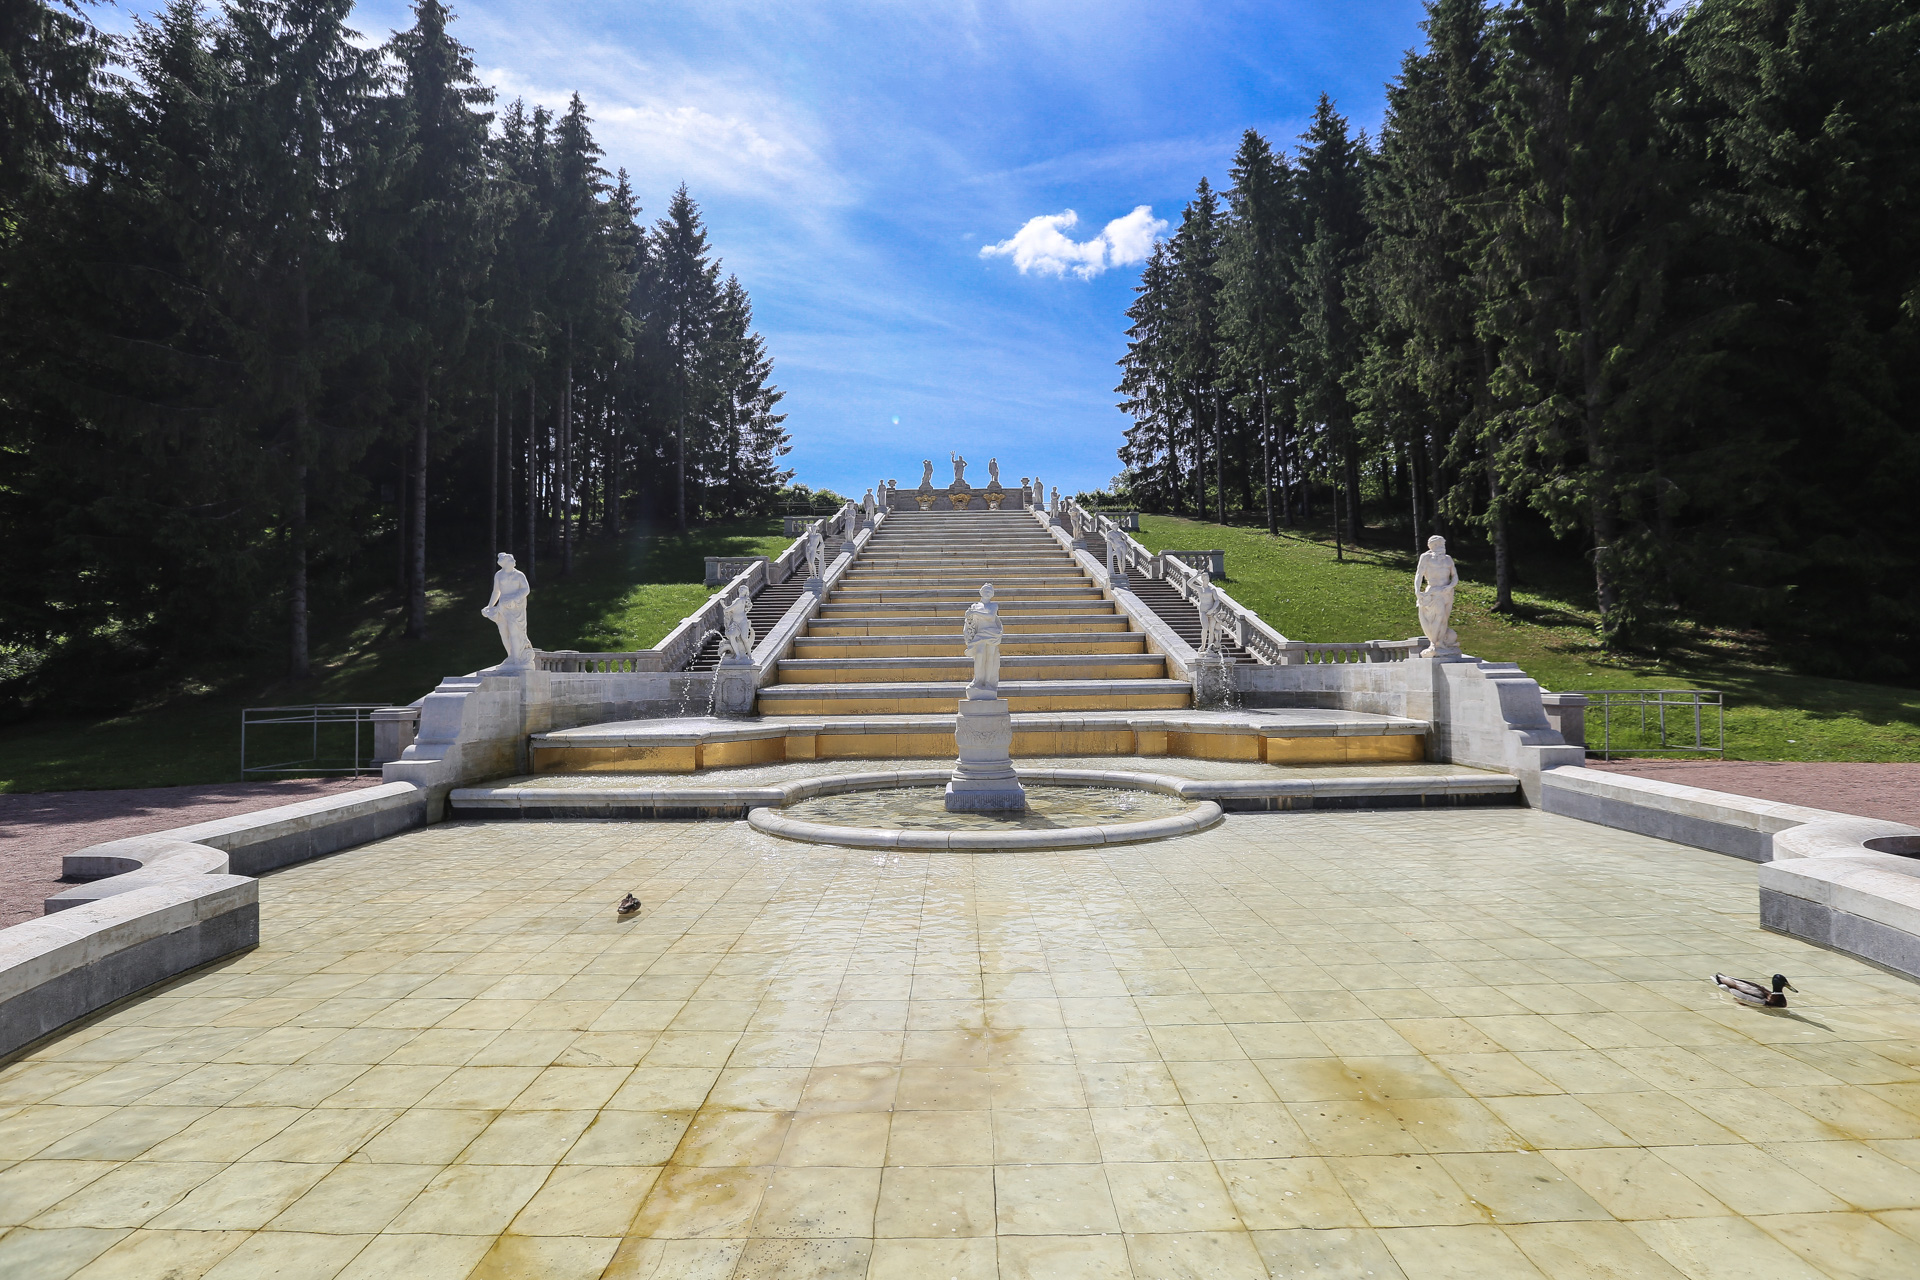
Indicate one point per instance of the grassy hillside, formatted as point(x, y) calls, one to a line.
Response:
point(624, 596)
point(1294, 582)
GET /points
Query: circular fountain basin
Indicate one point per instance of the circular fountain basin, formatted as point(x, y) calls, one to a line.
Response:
point(1066, 809)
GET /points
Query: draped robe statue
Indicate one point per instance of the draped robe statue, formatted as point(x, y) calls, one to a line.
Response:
point(982, 631)
point(507, 610)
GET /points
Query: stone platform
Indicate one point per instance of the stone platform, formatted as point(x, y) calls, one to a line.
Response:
point(1412, 1045)
point(1279, 736)
point(1234, 785)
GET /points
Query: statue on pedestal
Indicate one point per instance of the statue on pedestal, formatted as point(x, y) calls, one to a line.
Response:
point(959, 472)
point(1213, 618)
point(1434, 580)
point(507, 609)
point(983, 779)
point(993, 473)
point(981, 631)
point(736, 640)
point(816, 554)
point(866, 509)
point(1117, 554)
point(926, 474)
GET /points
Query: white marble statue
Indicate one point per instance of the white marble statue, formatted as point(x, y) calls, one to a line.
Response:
point(866, 508)
point(1054, 506)
point(816, 553)
point(982, 631)
point(993, 473)
point(736, 640)
point(1213, 618)
point(1433, 582)
point(1117, 550)
point(1038, 497)
point(959, 472)
point(926, 474)
point(507, 608)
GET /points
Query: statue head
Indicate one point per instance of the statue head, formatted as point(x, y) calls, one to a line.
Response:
point(1437, 545)
point(986, 591)
point(504, 560)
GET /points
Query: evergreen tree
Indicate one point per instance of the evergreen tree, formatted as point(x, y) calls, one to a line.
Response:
point(1586, 188)
point(1330, 180)
point(685, 295)
point(1258, 312)
point(441, 241)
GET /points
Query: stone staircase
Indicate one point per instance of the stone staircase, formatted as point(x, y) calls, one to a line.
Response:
point(1177, 612)
point(768, 607)
point(887, 639)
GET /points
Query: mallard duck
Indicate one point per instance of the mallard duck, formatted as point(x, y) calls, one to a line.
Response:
point(628, 905)
point(1754, 993)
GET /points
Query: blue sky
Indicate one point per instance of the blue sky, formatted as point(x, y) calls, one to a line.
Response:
point(852, 159)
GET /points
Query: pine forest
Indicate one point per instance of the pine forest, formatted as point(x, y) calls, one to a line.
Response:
point(285, 309)
point(1622, 289)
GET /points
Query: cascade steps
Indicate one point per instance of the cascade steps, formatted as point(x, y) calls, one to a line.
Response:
point(769, 606)
point(875, 674)
point(1178, 613)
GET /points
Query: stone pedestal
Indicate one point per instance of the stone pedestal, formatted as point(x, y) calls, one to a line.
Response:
point(1212, 681)
point(983, 781)
point(733, 687)
point(1120, 581)
point(817, 585)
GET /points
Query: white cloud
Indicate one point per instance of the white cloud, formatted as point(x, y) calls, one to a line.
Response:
point(1042, 245)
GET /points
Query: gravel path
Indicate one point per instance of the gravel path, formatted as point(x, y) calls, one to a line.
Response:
point(1890, 791)
point(37, 828)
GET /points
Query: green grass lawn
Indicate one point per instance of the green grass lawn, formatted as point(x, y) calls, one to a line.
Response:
point(1294, 582)
point(621, 596)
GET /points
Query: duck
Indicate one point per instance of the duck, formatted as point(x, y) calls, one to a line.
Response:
point(628, 906)
point(1754, 993)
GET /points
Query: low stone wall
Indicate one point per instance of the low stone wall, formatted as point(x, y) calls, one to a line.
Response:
point(1487, 714)
point(171, 901)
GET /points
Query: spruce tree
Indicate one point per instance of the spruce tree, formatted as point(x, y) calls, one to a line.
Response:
point(440, 241)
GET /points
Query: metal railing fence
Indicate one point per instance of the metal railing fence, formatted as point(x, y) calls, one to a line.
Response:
point(1657, 721)
point(337, 737)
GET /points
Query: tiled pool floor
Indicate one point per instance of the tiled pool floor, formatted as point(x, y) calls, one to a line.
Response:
point(1423, 1044)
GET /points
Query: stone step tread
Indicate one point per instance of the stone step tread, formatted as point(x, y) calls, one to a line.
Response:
point(952, 638)
point(962, 662)
point(913, 689)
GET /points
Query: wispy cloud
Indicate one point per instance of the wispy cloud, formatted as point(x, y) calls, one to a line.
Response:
point(1043, 246)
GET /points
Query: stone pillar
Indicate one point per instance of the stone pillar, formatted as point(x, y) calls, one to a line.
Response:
point(1212, 681)
point(983, 781)
point(733, 687)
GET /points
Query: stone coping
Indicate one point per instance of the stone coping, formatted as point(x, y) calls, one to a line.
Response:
point(170, 901)
point(1844, 882)
point(1203, 815)
point(607, 797)
point(1280, 722)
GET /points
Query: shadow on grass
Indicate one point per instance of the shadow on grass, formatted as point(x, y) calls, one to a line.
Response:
point(620, 597)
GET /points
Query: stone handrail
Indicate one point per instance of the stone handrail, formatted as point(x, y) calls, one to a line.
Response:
point(575, 662)
point(724, 568)
point(1303, 652)
point(1211, 563)
point(1187, 571)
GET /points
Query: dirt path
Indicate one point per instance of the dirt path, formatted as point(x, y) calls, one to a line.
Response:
point(36, 829)
point(1890, 791)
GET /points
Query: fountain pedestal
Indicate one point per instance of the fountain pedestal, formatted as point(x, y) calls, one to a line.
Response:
point(983, 781)
point(733, 687)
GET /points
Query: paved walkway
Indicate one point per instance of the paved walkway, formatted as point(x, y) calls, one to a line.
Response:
point(1401, 1045)
point(1890, 791)
point(38, 828)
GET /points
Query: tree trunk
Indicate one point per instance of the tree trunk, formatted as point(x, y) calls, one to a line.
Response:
point(566, 467)
point(533, 475)
point(417, 551)
point(617, 444)
point(1497, 519)
point(299, 664)
point(1219, 464)
point(1266, 456)
point(1413, 493)
point(1352, 470)
point(493, 480)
